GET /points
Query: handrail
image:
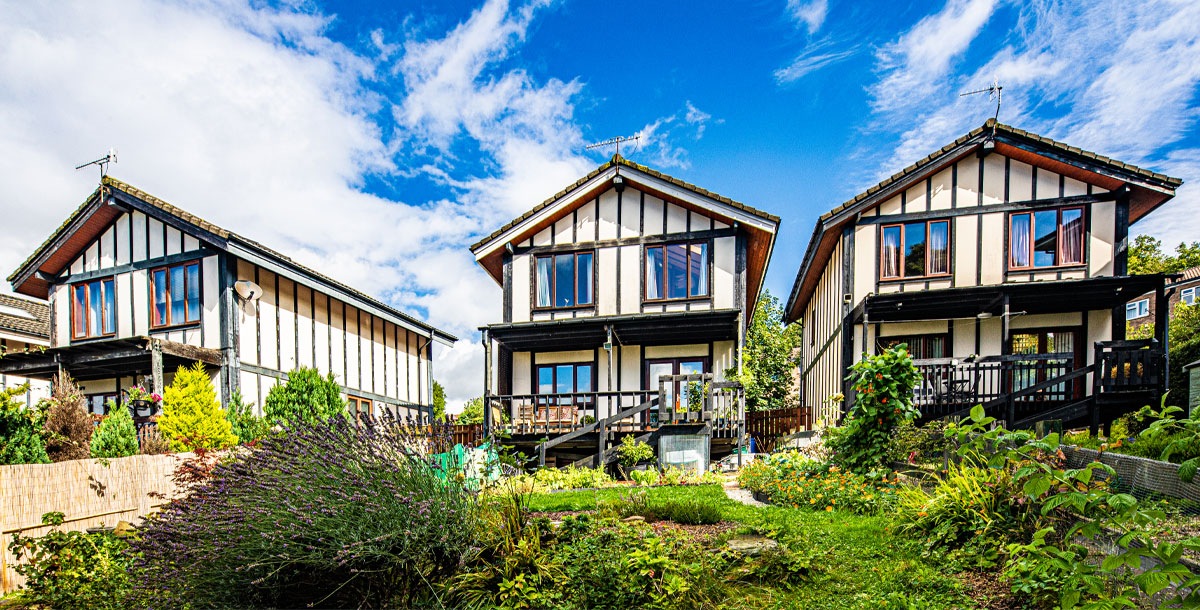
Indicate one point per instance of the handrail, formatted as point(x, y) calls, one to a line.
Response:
point(1027, 391)
point(592, 427)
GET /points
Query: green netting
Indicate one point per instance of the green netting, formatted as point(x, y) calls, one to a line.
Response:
point(473, 465)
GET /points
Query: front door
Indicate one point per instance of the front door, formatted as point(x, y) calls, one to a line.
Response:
point(1047, 343)
point(676, 392)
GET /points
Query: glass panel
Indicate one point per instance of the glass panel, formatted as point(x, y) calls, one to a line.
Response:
point(698, 274)
point(1018, 241)
point(676, 271)
point(1189, 295)
point(544, 280)
point(193, 293)
point(654, 273)
point(1045, 238)
point(939, 247)
point(110, 310)
point(159, 310)
point(1072, 236)
point(545, 376)
point(583, 378)
point(79, 320)
point(564, 280)
point(563, 379)
point(583, 276)
point(95, 309)
point(891, 252)
point(658, 369)
point(1024, 374)
point(914, 250)
point(178, 295)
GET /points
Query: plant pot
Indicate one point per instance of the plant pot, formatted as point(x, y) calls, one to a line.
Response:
point(141, 408)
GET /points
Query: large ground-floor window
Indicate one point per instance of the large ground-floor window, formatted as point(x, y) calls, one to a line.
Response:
point(676, 392)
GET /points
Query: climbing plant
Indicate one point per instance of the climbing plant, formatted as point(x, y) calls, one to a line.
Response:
point(883, 387)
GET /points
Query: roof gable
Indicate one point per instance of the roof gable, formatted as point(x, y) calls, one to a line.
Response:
point(1148, 189)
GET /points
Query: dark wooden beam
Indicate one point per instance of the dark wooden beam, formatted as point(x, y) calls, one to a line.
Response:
point(1014, 206)
point(628, 241)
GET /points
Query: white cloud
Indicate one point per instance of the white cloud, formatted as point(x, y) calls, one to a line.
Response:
point(812, 58)
point(912, 66)
point(656, 145)
point(808, 13)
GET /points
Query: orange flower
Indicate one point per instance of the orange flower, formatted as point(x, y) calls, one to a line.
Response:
point(828, 509)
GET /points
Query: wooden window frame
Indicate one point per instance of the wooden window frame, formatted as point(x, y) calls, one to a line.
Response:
point(554, 282)
point(169, 323)
point(1083, 254)
point(354, 404)
point(708, 288)
point(928, 258)
point(574, 376)
point(85, 323)
point(923, 337)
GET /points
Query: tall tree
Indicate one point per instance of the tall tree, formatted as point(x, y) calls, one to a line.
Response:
point(1146, 256)
point(439, 401)
point(770, 358)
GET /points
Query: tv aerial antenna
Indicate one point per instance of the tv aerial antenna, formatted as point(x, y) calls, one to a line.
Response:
point(993, 92)
point(110, 157)
point(616, 142)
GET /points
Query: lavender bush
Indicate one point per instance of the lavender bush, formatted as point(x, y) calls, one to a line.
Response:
point(327, 514)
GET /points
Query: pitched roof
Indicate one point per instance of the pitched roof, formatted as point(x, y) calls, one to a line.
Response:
point(34, 322)
point(1154, 188)
point(618, 160)
point(217, 236)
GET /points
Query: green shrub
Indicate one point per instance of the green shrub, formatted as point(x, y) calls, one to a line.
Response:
point(244, 424)
point(331, 514)
point(67, 569)
point(20, 442)
point(191, 416)
point(116, 436)
point(791, 479)
point(883, 387)
point(68, 427)
point(644, 478)
point(631, 452)
point(306, 397)
point(919, 444)
point(553, 479)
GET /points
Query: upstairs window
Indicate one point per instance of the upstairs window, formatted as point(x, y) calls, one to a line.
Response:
point(93, 309)
point(565, 280)
point(1046, 238)
point(677, 271)
point(175, 295)
point(915, 249)
point(1188, 295)
point(1137, 309)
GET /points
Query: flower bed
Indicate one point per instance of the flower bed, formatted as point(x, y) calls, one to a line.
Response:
point(790, 479)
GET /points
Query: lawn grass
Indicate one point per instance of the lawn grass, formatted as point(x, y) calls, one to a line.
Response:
point(860, 561)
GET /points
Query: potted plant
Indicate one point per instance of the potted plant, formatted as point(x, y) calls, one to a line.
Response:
point(633, 455)
point(141, 402)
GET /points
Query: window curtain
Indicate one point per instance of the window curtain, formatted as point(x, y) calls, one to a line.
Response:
point(891, 252)
point(1018, 241)
point(1072, 236)
point(543, 281)
point(939, 248)
point(654, 268)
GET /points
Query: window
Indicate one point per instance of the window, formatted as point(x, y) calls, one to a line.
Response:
point(1188, 295)
point(360, 407)
point(93, 309)
point(98, 403)
point(677, 271)
point(564, 378)
point(676, 392)
point(1046, 238)
point(1137, 309)
point(175, 295)
point(565, 280)
point(915, 249)
point(920, 347)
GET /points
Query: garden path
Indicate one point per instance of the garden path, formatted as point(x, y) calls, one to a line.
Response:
point(738, 494)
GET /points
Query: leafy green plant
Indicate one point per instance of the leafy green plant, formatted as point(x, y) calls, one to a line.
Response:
point(191, 417)
point(68, 427)
point(1172, 439)
point(883, 385)
point(306, 397)
point(644, 478)
point(243, 423)
point(69, 569)
point(20, 441)
point(688, 512)
point(769, 358)
point(631, 452)
point(116, 436)
point(791, 479)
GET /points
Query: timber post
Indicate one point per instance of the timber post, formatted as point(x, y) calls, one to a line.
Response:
point(487, 385)
point(156, 366)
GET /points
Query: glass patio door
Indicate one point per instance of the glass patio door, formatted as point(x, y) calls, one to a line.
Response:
point(1026, 373)
point(676, 392)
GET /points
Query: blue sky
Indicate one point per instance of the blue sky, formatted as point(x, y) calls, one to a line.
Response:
point(376, 140)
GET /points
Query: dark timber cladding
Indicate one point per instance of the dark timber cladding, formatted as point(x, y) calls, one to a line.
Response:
point(701, 326)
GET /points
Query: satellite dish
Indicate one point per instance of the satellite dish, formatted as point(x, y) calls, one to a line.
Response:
point(248, 290)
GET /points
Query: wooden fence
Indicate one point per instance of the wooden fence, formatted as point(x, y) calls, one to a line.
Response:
point(90, 493)
point(765, 427)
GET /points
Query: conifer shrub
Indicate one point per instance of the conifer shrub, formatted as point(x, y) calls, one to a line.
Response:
point(116, 436)
point(245, 425)
point(68, 427)
point(191, 416)
point(329, 514)
point(20, 439)
point(306, 397)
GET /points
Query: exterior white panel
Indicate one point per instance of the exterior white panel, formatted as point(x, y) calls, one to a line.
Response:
point(137, 224)
point(91, 257)
point(122, 240)
point(1047, 184)
point(631, 368)
point(190, 243)
point(304, 326)
point(915, 198)
point(1020, 181)
point(108, 248)
point(542, 238)
point(174, 241)
point(942, 189)
point(724, 264)
point(563, 231)
point(965, 251)
point(140, 282)
point(864, 263)
point(608, 215)
point(287, 325)
point(968, 182)
point(337, 341)
point(1073, 187)
point(321, 333)
point(677, 219)
point(585, 224)
point(268, 321)
point(606, 291)
point(155, 239)
point(210, 303)
point(993, 264)
point(993, 179)
point(631, 275)
point(631, 214)
point(522, 270)
point(247, 318)
point(123, 287)
point(1102, 238)
point(522, 373)
point(653, 216)
point(891, 206)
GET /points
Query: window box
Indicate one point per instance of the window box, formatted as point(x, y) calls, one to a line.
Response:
point(914, 250)
point(1046, 239)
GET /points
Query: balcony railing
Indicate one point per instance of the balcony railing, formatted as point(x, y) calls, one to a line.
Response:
point(949, 385)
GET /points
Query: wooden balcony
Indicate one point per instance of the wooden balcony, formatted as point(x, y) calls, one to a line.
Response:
point(1022, 389)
